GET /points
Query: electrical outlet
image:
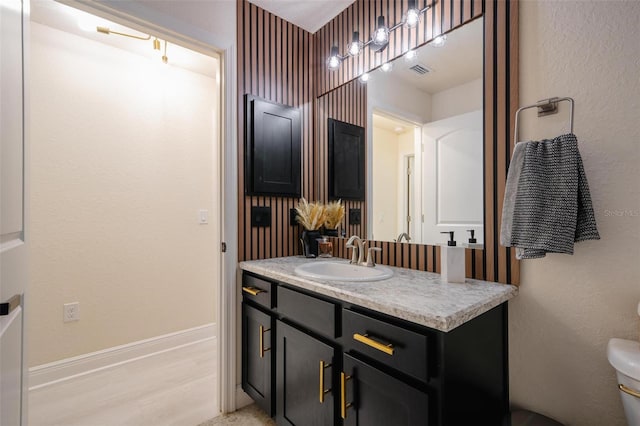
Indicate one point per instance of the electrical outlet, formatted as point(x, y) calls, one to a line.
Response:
point(71, 312)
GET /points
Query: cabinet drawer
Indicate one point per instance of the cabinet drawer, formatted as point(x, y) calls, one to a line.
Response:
point(313, 313)
point(397, 347)
point(258, 291)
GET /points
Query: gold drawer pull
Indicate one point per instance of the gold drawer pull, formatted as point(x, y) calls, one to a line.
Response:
point(364, 338)
point(323, 391)
point(343, 395)
point(253, 290)
point(262, 348)
point(629, 391)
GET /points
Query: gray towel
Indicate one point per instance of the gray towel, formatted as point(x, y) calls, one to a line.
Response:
point(547, 203)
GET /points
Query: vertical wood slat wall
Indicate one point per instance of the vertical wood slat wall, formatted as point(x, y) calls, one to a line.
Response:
point(347, 103)
point(275, 61)
point(281, 62)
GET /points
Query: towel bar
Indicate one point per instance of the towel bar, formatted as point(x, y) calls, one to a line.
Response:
point(545, 107)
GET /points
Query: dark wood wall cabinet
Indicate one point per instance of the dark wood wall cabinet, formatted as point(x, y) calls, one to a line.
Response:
point(346, 161)
point(312, 360)
point(273, 148)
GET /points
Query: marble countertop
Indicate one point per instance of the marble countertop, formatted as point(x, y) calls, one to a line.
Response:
point(416, 296)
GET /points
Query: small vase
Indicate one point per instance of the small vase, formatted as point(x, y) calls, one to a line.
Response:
point(309, 240)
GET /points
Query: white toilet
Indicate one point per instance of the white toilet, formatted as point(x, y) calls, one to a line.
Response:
point(624, 356)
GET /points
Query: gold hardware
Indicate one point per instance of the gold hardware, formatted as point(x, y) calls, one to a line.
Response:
point(364, 338)
point(105, 30)
point(156, 44)
point(253, 290)
point(629, 391)
point(262, 348)
point(323, 391)
point(343, 395)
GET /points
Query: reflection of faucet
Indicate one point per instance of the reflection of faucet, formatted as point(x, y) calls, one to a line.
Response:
point(403, 235)
point(358, 250)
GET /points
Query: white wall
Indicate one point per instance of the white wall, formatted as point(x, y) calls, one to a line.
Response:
point(396, 97)
point(570, 306)
point(122, 157)
point(385, 184)
point(457, 100)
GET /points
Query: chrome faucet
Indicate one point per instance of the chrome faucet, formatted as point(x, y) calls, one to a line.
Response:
point(403, 235)
point(357, 256)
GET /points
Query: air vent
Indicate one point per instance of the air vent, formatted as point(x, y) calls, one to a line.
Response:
point(420, 69)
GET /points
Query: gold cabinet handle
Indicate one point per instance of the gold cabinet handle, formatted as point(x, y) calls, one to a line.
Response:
point(253, 290)
point(322, 390)
point(262, 348)
point(344, 405)
point(629, 391)
point(364, 338)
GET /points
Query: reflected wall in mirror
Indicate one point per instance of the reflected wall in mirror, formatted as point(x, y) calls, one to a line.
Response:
point(425, 142)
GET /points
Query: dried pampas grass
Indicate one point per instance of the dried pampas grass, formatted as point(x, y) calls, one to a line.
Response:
point(334, 213)
point(311, 215)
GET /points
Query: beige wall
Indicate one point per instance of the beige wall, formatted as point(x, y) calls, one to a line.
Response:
point(570, 306)
point(385, 184)
point(457, 100)
point(122, 159)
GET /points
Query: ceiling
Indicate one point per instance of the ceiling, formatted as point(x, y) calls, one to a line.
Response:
point(70, 20)
point(310, 15)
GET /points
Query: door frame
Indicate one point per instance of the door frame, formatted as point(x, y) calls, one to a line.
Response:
point(141, 19)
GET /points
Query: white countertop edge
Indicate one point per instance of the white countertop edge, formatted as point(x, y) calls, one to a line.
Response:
point(438, 322)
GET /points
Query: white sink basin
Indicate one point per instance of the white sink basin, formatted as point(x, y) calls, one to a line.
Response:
point(342, 271)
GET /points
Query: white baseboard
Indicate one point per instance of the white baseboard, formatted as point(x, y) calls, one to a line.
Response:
point(65, 369)
point(242, 399)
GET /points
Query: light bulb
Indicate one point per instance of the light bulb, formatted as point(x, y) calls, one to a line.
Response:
point(333, 62)
point(364, 77)
point(412, 17)
point(381, 34)
point(439, 41)
point(355, 47)
point(386, 67)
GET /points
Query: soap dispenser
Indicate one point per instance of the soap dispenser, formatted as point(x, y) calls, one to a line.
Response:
point(473, 241)
point(452, 261)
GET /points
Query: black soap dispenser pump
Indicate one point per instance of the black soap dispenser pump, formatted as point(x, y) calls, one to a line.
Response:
point(451, 242)
point(472, 239)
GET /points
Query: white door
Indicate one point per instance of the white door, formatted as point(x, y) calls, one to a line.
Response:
point(452, 178)
point(13, 250)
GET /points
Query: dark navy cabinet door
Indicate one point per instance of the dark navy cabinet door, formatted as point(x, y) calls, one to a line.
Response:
point(257, 368)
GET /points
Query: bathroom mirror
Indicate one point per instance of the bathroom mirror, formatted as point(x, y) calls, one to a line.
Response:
point(425, 142)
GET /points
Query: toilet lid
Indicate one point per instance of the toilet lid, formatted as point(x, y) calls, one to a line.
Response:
point(624, 356)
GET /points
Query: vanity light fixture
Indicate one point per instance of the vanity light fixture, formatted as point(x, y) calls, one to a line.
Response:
point(355, 47)
point(386, 67)
point(412, 16)
point(381, 34)
point(156, 42)
point(439, 41)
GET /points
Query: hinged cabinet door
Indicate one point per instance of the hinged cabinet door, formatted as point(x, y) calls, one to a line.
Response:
point(369, 397)
point(257, 368)
point(304, 370)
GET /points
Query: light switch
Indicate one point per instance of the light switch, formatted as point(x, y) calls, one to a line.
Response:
point(203, 217)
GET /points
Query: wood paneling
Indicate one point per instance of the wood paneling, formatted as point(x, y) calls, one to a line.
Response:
point(281, 62)
point(275, 63)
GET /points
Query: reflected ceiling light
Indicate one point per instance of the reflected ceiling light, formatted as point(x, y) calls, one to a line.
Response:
point(439, 41)
point(355, 47)
point(410, 55)
point(386, 67)
point(333, 63)
point(412, 16)
point(381, 34)
point(364, 77)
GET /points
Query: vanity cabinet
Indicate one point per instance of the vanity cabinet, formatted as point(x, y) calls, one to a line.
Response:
point(335, 363)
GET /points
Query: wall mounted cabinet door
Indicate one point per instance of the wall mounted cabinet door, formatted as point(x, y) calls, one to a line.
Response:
point(273, 148)
point(346, 161)
point(377, 399)
point(304, 368)
point(257, 368)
